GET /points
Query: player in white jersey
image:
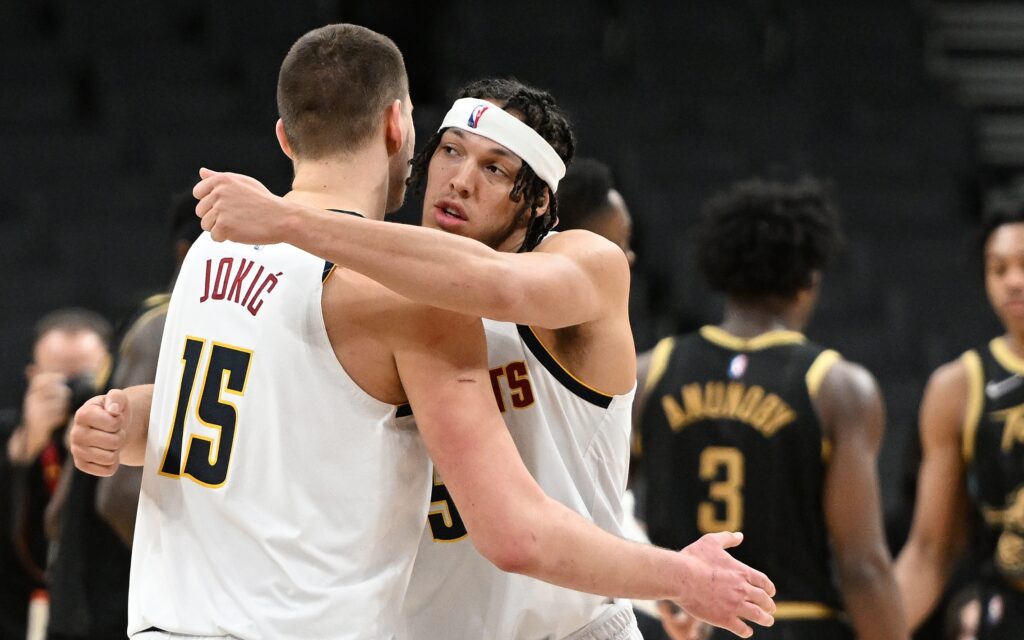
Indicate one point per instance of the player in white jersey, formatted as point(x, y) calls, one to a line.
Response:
point(283, 496)
point(565, 370)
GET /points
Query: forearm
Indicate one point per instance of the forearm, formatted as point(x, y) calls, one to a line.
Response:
point(429, 266)
point(872, 599)
point(117, 501)
point(921, 578)
point(140, 400)
point(25, 444)
point(563, 548)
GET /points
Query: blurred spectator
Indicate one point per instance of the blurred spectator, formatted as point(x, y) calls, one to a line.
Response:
point(587, 199)
point(90, 570)
point(69, 355)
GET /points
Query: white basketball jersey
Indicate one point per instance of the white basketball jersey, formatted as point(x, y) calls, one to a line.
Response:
point(575, 442)
point(278, 499)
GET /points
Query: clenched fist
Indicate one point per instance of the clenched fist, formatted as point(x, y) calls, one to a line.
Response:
point(98, 433)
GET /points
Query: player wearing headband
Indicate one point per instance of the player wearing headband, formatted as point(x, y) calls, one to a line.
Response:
point(283, 490)
point(559, 343)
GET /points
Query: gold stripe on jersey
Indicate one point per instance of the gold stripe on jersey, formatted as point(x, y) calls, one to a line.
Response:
point(659, 362)
point(819, 369)
point(1006, 357)
point(803, 611)
point(723, 338)
point(975, 400)
point(564, 368)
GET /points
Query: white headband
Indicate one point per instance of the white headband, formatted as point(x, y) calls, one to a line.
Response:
point(492, 122)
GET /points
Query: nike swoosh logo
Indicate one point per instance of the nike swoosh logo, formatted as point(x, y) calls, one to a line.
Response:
point(995, 390)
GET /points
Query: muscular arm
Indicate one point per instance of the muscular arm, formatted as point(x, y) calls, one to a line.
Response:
point(510, 519)
point(850, 408)
point(117, 496)
point(572, 279)
point(938, 533)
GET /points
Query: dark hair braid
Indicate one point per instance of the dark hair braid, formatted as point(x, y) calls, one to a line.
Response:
point(543, 115)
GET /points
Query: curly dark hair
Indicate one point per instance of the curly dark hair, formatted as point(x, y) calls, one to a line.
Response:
point(762, 238)
point(538, 110)
point(1007, 208)
point(583, 193)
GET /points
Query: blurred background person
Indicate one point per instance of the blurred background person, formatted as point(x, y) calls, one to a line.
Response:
point(90, 569)
point(972, 467)
point(747, 426)
point(70, 358)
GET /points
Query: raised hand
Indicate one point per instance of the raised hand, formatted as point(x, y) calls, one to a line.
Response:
point(238, 208)
point(723, 591)
point(98, 433)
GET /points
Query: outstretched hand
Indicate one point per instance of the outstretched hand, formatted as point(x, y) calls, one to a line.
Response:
point(98, 433)
point(723, 591)
point(238, 208)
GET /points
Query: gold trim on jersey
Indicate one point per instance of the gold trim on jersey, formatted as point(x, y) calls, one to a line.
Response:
point(819, 369)
point(723, 338)
point(826, 450)
point(975, 399)
point(659, 361)
point(1005, 356)
point(803, 611)
point(564, 368)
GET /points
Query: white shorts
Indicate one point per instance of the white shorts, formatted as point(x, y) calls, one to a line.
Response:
point(617, 623)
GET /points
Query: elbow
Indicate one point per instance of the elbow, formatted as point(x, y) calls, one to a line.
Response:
point(513, 549)
point(865, 571)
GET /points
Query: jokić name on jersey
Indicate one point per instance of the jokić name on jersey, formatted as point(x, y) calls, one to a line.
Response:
point(765, 412)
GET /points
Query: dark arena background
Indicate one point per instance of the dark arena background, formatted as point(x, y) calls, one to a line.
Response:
point(912, 110)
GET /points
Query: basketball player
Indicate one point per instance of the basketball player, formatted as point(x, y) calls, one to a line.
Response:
point(972, 464)
point(588, 199)
point(557, 332)
point(295, 507)
point(749, 426)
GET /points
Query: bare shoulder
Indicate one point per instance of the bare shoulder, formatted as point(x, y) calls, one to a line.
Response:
point(849, 400)
point(946, 397)
point(588, 248)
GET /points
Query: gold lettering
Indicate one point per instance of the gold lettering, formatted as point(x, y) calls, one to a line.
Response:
point(750, 401)
point(764, 411)
point(714, 399)
point(694, 401)
point(673, 412)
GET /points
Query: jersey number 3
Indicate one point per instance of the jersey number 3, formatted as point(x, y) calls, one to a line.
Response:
point(722, 467)
point(207, 457)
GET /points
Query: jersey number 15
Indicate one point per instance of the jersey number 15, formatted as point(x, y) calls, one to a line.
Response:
point(206, 458)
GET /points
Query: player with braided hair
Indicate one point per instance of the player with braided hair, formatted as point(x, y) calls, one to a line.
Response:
point(560, 350)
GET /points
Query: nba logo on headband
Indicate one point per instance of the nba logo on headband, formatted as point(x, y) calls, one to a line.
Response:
point(474, 117)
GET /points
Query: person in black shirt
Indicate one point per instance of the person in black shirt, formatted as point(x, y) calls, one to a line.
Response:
point(748, 426)
point(972, 467)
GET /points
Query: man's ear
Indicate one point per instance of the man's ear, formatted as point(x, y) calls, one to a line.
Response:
point(282, 139)
point(543, 200)
point(394, 137)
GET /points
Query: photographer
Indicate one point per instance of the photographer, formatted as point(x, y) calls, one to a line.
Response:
point(69, 357)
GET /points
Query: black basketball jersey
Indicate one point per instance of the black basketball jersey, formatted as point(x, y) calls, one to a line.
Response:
point(993, 447)
point(731, 442)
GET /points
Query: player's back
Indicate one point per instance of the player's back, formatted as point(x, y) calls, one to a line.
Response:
point(279, 500)
point(575, 442)
point(731, 442)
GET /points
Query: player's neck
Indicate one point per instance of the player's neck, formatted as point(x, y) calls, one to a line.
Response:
point(357, 183)
point(1015, 342)
point(750, 319)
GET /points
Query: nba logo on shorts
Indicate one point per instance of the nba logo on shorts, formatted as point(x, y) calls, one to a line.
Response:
point(738, 366)
point(477, 113)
